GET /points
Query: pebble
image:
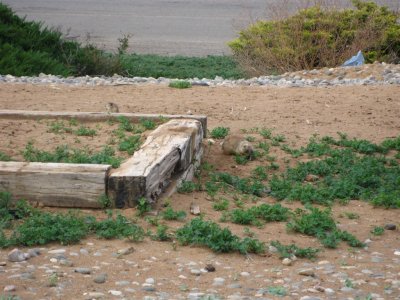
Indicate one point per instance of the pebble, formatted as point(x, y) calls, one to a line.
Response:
point(218, 281)
point(385, 74)
point(245, 274)
point(209, 268)
point(83, 270)
point(115, 293)
point(287, 262)
point(307, 272)
point(125, 251)
point(95, 295)
point(150, 281)
point(17, 255)
point(101, 278)
point(390, 226)
point(195, 272)
point(57, 251)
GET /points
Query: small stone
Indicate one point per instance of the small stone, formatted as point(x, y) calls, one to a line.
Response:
point(122, 283)
point(346, 289)
point(390, 227)
point(377, 259)
point(209, 268)
point(219, 281)
point(307, 272)
point(195, 272)
point(245, 274)
point(195, 209)
point(397, 252)
point(83, 251)
point(34, 252)
point(83, 270)
point(115, 293)
point(272, 249)
point(95, 295)
point(16, 255)
point(66, 263)
point(310, 298)
point(125, 251)
point(329, 291)
point(9, 288)
point(3, 263)
point(150, 281)
point(101, 278)
point(287, 262)
point(57, 251)
point(195, 296)
point(28, 276)
point(149, 288)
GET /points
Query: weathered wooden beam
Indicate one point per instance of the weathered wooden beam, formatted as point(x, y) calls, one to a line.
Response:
point(95, 116)
point(55, 184)
point(170, 149)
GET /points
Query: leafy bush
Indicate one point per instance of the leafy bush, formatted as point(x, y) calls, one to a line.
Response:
point(219, 132)
point(170, 214)
point(180, 84)
point(316, 37)
point(188, 187)
point(120, 227)
point(287, 251)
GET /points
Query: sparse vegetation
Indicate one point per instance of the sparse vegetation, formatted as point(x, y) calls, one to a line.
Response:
point(219, 132)
point(288, 251)
point(180, 84)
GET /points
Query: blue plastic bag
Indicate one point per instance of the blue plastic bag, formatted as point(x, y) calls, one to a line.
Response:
point(357, 60)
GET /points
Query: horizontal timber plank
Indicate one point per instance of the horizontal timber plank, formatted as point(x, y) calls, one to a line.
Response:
point(55, 184)
point(171, 148)
point(95, 116)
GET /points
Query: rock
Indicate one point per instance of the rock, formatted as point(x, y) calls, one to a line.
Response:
point(66, 263)
point(83, 270)
point(329, 291)
point(310, 298)
point(57, 251)
point(196, 296)
point(3, 263)
point(209, 268)
point(150, 281)
point(218, 281)
point(101, 278)
point(397, 252)
point(272, 249)
point(115, 293)
point(390, 227)
point(306, 272)
point(195, 272)
point(16, 255)
point(28, 276)
point(83, 251)
point(95, 295)
point(149, 288)
point(9, 288)
point(244, 274)
point(122, 283)
point(125, 251)
point(34, 252)
point(287, 262)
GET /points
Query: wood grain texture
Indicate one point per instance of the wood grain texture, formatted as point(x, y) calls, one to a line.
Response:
point(169, 150)
point(55, 184)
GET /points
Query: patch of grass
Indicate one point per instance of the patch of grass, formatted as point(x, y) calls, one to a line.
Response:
point(221, 205)
point(170, 214)
point(4, 157)
point(147, 124)
point(180, 84)
point(187, 187)
point(351, 215)
point(319, 223)
point(143, 206)
point(59, 127)
point(287, 251)
point(209, 234)
point(242, 159)
point(130, 144)
point(279, 291)
point(266, 133)
point(161, 234)
point(147, 65)
point(377, 230)
point(65, 154)
point(265, 212)
point(260, 173)
point(104, 201)
point(85, 131)
point(219, 132)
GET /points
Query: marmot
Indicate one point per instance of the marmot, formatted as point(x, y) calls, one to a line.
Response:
point(111, 107)
point(237, 145)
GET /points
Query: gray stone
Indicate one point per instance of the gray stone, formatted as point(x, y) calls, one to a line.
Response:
point(101, 278)
point(390, 226)
point(307, 272)
point(16, 255)
point(57, 251)
point(83, 270)
point(195, 272)
point(10, 288)
point(149, 288)
point(95, 295)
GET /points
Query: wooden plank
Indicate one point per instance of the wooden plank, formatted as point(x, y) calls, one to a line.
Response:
point(170, 149)
point(95, 116)
point(55, 184)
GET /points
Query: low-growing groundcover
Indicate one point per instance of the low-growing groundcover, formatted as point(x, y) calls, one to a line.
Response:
point(319, 37)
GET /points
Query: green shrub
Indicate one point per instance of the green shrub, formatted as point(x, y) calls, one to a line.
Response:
point(287, 251)
point(317, 37)
point(85, 131)
point(219, 132)
point(120, 227)
point(170, 214)
point(187, 187)
point(4, 157)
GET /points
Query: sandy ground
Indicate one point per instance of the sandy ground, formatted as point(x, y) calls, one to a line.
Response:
point(368, 112)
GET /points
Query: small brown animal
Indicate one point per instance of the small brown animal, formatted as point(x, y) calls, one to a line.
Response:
point(237, 145)
point(111, 107)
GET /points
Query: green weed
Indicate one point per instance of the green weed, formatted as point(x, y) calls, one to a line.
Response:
point(219, 132)
point(187, 187)
point(287, 251)
point(118, 227)
point(85, 131)
point(377, 230)
point(260, 173)
point(170, 214)
point(147, 124)
point(220, 205)
point(143, 206)
point(130, 144)
point(4, 157)
point(279, 291)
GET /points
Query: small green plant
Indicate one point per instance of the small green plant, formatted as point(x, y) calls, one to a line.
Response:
point(260, 173)
point(161, 234)
point(4, 157)
point(85, 131)
point(148, 124)
point(59, 127)
point(351, 215)
point(377, 230)
point(53, 280)
point(265, 133)
point(143, 206)
point(104, 201)
point(279, 291)
point(241, 159)
point(219, 132)
point(187, 187)
point(287, 251)
point(348, 283)
point(170, 214)
point(221, 205)
point(125, 124)
point(180, 84)
point(130, 144)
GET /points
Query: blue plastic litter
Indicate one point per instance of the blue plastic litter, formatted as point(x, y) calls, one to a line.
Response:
point(357, 60)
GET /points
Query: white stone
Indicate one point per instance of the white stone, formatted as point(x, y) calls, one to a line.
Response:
point(244, 274)
point(57, 251)
point(115, 293)
point(150, 280)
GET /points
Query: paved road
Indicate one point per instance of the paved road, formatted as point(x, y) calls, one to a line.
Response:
point(169, 27)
